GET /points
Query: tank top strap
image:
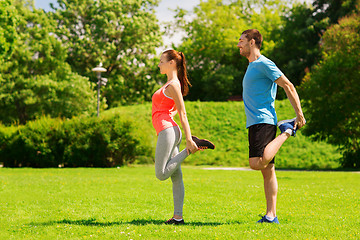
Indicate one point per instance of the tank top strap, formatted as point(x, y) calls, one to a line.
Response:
point(167, 84)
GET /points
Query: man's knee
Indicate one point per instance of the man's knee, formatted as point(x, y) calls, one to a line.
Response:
point(255, 163)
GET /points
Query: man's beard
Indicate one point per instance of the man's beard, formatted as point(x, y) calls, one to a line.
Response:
point(245, 52)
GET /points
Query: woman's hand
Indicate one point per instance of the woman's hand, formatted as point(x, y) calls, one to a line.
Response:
point(191, 146)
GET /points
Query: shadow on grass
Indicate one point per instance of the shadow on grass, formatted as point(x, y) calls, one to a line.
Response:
point(138, 222)
point(161, 222)
point(82, 222)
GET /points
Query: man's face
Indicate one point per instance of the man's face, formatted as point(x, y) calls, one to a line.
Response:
point(244, 46)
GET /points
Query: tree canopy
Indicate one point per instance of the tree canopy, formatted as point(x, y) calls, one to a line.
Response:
point(8, 20)
point(215, 65)
point(47, 69)
point(122, 34)
point(298, 47)
point(35, 78)
point(332, 90)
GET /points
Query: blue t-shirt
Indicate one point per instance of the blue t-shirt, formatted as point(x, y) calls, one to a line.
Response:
point(259, 91)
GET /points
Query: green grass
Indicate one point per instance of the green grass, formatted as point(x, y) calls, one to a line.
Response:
point(130, 203)
point(224, 124)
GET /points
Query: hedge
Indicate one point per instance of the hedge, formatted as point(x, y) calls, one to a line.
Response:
point(79, 142)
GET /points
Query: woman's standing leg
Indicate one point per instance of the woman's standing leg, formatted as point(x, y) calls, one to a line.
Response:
point(167, 164)
point(178, 189)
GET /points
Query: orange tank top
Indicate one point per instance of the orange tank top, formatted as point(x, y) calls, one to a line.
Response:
point(163, 110)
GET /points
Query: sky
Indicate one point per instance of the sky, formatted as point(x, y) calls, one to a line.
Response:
point(163, 13)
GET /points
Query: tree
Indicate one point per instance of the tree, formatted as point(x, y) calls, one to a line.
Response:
point(331, 92)
point(7, 28)
point(216, 68)
point(36, 80)
point(298, 47)
point(333, 10)
point(122, 34)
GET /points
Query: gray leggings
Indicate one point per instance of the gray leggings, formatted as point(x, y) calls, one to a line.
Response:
point(167, 163)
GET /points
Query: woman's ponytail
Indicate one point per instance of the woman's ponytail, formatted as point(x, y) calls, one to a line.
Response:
point(183, 75)
point(179, 58)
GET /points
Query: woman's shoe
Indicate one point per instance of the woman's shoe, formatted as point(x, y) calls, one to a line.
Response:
point(203, 143)
point(174, 222)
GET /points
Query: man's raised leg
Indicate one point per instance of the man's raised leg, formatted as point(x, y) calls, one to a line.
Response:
point(260, 163)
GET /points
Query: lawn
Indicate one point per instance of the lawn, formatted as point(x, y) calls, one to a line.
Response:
point(130, 203)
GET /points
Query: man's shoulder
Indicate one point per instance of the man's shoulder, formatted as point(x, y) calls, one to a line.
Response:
point(266, 64)
point(265, 61)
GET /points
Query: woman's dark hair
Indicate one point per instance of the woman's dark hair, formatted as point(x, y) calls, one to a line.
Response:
point(180, 61)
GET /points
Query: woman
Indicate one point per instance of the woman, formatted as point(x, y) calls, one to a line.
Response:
point(166, 102)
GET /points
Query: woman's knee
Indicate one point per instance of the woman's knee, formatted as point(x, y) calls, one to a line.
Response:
point(161, 176)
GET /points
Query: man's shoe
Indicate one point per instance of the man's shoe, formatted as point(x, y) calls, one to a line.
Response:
point(265, 220)
point(203, 143)
point(174, 222)
point(287, 124)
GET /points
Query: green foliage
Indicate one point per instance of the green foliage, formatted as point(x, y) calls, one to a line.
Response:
point(215, 65)
point(80, 142)
point(297, 41)
point(122, 34)
point(333, 10)
point(297, 48)
point(8, 20)
point(224, 124)
point(130, 203)
point(91, 142)
point(35, 79)
point(332, 91)
point(60, 93)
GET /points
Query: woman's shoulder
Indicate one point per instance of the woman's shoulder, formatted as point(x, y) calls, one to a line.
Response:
point(174, 84)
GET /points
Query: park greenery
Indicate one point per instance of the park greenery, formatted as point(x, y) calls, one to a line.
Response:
point(336, 79)
point(46, 60)
point(124, 135)
point(8, 19)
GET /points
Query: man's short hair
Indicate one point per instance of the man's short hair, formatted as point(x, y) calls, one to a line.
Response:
point(253, 34)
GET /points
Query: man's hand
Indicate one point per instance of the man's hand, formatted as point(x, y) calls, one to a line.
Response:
point(299, 122)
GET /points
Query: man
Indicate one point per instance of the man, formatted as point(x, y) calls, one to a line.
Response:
point(259, 92)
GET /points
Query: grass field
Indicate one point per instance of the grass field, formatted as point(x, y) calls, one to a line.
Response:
point(130, 203)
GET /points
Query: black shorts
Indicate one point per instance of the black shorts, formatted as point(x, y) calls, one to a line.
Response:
point(259, 136)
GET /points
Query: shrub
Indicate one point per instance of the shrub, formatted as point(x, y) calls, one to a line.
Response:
point(80, 142)
point(100, 143)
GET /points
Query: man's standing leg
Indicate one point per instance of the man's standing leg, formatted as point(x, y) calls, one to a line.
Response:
point(261, 141)
point(271, 189)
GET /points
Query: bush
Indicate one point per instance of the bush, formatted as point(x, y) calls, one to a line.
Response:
point(80, 142)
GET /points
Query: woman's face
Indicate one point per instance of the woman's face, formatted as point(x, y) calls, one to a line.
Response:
point(164, 64)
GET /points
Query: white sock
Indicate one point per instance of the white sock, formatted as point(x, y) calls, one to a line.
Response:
point(269, 218)
point(178, 219)
point(289, 131)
